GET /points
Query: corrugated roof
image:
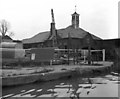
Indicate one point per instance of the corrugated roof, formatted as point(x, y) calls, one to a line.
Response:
point(63, 33)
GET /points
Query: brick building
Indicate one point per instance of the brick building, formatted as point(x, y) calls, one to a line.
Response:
point(70, 37)
point(73, 37)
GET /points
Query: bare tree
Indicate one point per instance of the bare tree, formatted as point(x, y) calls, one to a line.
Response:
point(4, 27)
point(11, 34)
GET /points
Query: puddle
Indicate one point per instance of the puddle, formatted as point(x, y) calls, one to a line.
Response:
point(102, 86)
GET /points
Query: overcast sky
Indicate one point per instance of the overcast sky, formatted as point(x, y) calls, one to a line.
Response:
point(29, 17)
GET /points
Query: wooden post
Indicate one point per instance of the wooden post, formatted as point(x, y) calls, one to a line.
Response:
point(75, 57)
point(68, 56)
point(50, 62)
point(103, 54)
point(84, 56)
point(68, 45)
point(89, 54)
point(89, 47)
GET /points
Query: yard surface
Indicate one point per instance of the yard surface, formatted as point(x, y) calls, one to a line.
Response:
point(54, 68)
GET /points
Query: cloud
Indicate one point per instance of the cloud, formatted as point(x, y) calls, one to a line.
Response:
point(31, 16)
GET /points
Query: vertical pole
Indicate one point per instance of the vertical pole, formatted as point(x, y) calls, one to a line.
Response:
point(74, 56)
point(89, 48)
point(89, 54)
point(68, 50)
point(77, 55)
point(103, 54)
point(68, 55)
point(50, 62)
point(68, 47)
point(84, 56)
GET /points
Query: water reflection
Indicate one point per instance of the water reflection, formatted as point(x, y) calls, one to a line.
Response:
point(67, 87)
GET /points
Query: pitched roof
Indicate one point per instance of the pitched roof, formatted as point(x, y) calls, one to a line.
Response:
point(74, 33)
point(75, 13)
point(63, 33)
point(5, 38)
point(40, 37)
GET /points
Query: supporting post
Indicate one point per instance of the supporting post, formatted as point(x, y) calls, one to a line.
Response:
point(89, 54)
point(50, 62)
point(84, 56)
point(75, 57)
point(68, 45)
point(68, 56)
point(103, 54)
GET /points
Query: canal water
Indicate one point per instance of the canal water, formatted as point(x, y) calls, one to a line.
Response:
point(105, 85)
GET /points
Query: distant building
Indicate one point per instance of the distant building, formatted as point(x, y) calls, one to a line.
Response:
point(112, 47)
point(70, 37)
point(11, 45)
point(8, 42)
point(5, 38)
point(73, 37)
